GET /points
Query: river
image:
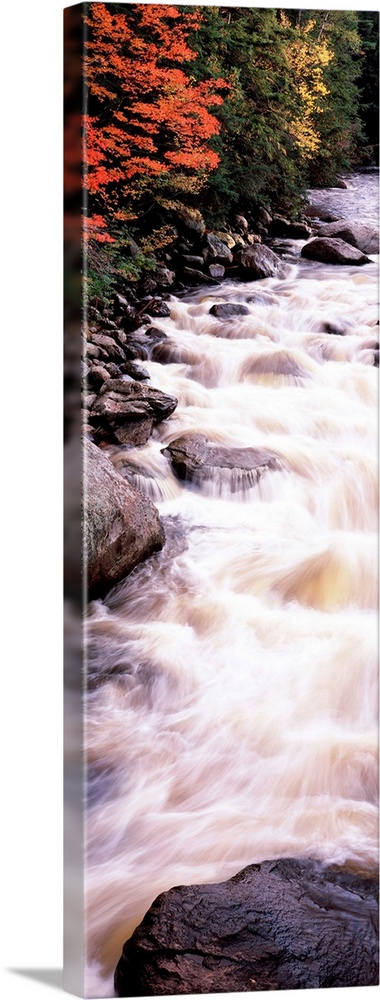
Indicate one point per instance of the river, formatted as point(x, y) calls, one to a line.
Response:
point(233, 714)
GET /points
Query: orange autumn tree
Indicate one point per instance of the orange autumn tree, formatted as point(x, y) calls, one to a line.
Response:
point(146, 120)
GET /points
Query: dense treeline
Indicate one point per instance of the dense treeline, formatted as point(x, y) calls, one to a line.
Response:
point(222, 109)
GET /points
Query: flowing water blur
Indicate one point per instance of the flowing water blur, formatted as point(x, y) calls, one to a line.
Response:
point(232, 703)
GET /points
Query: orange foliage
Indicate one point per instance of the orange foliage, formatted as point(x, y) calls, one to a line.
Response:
point(145, 116)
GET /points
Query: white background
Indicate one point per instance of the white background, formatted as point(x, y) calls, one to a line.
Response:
point(31, 495)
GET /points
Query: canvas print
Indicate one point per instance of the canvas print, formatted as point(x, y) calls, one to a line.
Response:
point(227, 728)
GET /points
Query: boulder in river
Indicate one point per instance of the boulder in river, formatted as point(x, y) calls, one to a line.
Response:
point(194, 459)
point(362, 235)
point(280, 925)
point(333, 251)
point(227, 310)
point(121, 525)
point(257, 262)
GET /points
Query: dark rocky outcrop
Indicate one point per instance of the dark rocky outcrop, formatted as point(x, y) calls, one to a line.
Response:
point(257, 261)
point(361, 235)
point(227, 310)
point(121, 525)
point(126, 410)
point(290, 230)
point(280, 925)
point(195, 460)
point(333, 251)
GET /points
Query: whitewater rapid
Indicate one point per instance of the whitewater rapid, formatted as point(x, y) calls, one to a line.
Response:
point(232, 702)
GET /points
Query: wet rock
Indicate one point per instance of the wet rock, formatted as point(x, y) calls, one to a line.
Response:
point(169, 353)
point(97, 376)
point(193, 277)
point(280, 925)
point(319, 212)
point(120, 302)
point(89, 400)
point(239, 240)
point(91, 350)
point(189, 220)
point(158, 308)
point(128, 317)
point(216, 250)
point(135, 370)
point(258, 262)
point(216, 270)
point(278, 362)
point(126, 411)
point(333, 251)
point(191, 260)
point(148, 286)
point(227, 310)
point(153, 335)
point(226, 238)
point(253, 238)
point(241, 223)
point(362, 235)
point(195, 460)
point(113, 370)
point(121, 525)
point(334, 328)
point(264, 217)
point(111, 350)
point(164, 277)
point(290, 230)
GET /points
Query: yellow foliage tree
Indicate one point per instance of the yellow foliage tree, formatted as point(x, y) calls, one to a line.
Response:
point(307, 58)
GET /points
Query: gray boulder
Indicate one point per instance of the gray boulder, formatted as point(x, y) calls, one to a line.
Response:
point(333, 251)
point(216, 250)
point(125, 411)
point(190, 276)
point(121, 526)
point(362, 235)
point(280, 925)
point(195, 460)
point(257, 261)
point(216, 270)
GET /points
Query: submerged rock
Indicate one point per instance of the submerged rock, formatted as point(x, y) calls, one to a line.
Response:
point(333, 251)
point(121, 525)
point(195, 460)
point(279, 925)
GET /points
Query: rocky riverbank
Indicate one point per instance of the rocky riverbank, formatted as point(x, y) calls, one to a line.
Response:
point(121, 407)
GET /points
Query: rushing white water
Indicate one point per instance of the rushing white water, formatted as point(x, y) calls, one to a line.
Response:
point(232, 716)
